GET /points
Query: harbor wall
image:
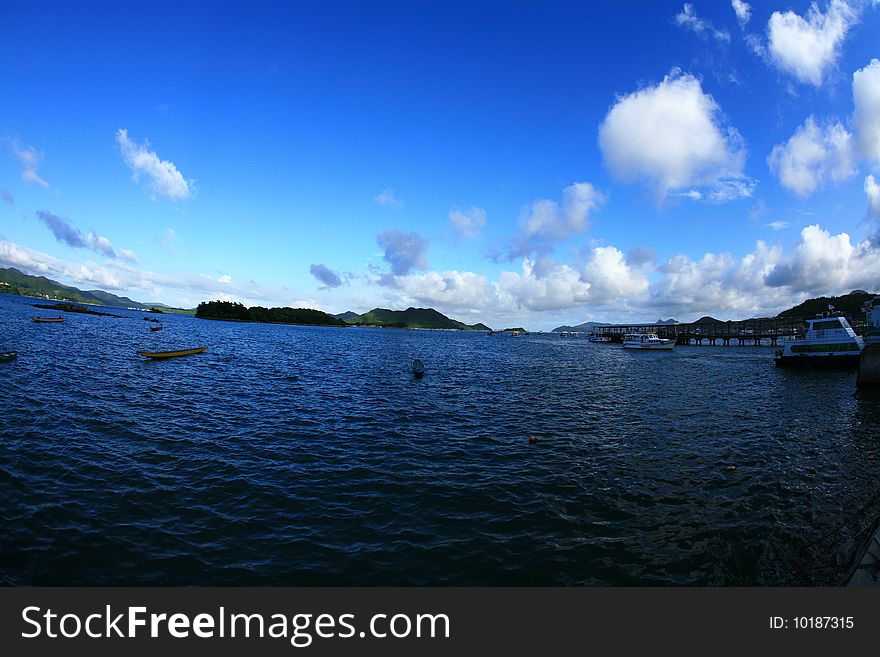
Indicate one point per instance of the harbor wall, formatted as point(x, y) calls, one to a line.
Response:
point(869, 365)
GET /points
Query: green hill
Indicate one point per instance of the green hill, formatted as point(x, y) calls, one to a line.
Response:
point(850, 304)
point(17, 282)
point(229, 310)
point(423, 318)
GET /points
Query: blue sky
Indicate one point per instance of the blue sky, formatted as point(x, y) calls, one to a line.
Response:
point(516, 162)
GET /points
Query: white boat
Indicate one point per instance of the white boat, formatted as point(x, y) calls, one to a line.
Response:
point(646, 341)
point(828, 342)
point(599, 337)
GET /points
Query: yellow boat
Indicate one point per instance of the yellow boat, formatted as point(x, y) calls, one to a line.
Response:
point(171, 354)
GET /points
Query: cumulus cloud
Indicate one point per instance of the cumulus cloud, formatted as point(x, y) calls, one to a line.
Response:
point(30, 160)
point(812, 155)
point(325, 276)
point(7, 197)
point(611, 277)
point(872, 191)
point(453, 291)
point(162, 175)
point(403, 251)
point(554, 288)
point(825, 263)
point(467, 223)
point(866, 116)
point(674, 137)
point(743, 11)
point(808, 47)
point(816, 154)
point(546, 222)
point(387, 197)
point(688, 19)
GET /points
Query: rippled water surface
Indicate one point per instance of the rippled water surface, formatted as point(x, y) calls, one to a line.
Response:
point(298, 455)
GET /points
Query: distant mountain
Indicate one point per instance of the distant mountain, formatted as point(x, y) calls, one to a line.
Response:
point(667, 322)
point(850, 304)
point(705, 319)
point(426, 318)
point(346, 315)
point(586, 327)
point(40, 286)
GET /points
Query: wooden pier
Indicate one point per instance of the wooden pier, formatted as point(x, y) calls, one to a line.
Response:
point(744, 332)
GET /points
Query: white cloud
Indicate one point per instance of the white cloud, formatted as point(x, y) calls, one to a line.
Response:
point(30, 160)
point(811, 156)
point(673, 136)
point(808, 47)
point(866, 116)
point(777, 225)
point(555, 288)
point(387, 197)
point(743, 11)
point(610, 277)
point(825, 263)
point(226, 279)
point(467, 223)
point(453, 291)
point(546, 222)
point(127, 254)
point(164, 178)
point(688, 19)
point(100, 245)
point(872, 191)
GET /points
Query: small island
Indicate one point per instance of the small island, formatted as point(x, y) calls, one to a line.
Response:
point(237, 312)
point(72, 308)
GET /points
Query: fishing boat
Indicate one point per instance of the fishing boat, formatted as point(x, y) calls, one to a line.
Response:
point(171, 354)
point(598, 337)
point(827, 342)
point(47, 320)
point(647, 341)
point(418, 368)
point(6, 356)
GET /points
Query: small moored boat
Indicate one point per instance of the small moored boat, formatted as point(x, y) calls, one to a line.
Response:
point(155, 328)
point(171, 354)
point(47, 320)
point(6, 356)
point(418, 368)
point(646, 341)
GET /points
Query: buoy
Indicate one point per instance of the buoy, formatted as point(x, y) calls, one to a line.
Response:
point(533, 440)
point(731, 468)
point(418, 368)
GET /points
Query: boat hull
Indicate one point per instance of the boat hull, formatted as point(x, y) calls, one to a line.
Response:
point(837, 361)
point(7, 356)
point(650, 347)
point(47, 320)
point(171, 354)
